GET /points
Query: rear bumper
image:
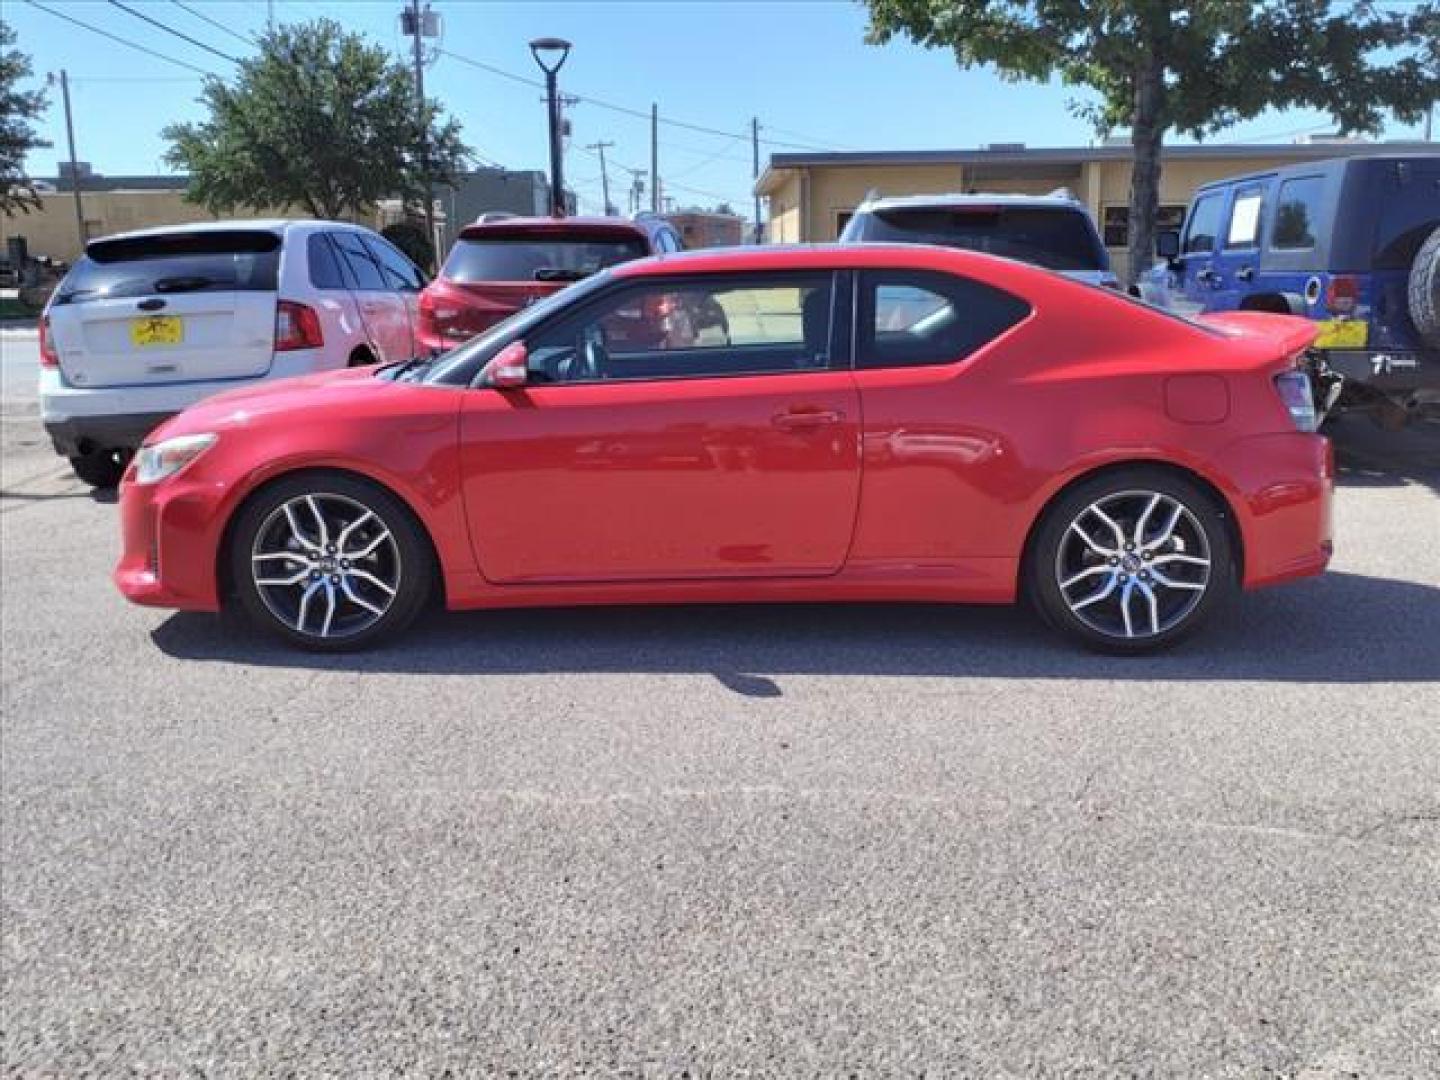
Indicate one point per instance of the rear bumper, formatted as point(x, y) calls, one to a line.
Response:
point(1389, 371)
point(1284, 505)
point(82, 435)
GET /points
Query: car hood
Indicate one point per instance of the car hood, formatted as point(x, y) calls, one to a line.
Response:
point(348, 392)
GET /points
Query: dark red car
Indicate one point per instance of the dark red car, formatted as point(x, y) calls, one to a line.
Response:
point(873, 423)
point(499, 266)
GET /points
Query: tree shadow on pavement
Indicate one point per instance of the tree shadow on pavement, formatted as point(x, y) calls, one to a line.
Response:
point(1336, 628)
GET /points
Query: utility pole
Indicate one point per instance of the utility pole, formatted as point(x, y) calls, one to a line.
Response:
point(637, 190)
point(655, 159)
point(1429, 121)
point(416, 28)
point(74, 167)
point(604, 175)
point(755, 169)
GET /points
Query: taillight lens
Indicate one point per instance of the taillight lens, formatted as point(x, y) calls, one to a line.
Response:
point(48, 356)
point(439, 318)
point(1342, 292)
point(297, 326)
point(1294, 389)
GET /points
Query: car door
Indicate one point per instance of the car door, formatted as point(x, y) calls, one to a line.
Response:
point(1195, 275)
point(405, 278)
point(1237, 250)
point(382, 309)
point(651, 444)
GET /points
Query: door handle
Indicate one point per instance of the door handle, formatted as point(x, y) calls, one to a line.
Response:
point(1245, 273)
point(800, 419)
point(1208, 277)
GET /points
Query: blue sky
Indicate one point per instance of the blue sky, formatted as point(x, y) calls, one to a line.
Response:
point(801, 66)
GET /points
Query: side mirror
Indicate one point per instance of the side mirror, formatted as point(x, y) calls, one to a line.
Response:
point(508, 369)
point(1167, 244)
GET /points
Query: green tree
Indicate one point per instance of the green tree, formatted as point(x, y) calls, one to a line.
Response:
point(1192, 66)
point(18, 108)
point(320, 120)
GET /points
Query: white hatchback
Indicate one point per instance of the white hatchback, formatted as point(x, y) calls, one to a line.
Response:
point(147, 323)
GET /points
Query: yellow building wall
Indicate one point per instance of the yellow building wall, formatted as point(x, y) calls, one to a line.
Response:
point(838, 190)
point(783, 226)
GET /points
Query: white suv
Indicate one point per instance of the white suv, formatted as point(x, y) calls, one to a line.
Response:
point(1054, 231)
point(147, 323)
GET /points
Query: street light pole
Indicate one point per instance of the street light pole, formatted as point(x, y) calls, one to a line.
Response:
point(422, 130)
point(539, 47)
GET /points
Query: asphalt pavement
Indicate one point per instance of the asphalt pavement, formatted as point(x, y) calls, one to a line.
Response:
point(766, 841)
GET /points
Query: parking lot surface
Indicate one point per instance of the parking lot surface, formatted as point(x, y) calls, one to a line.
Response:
point(722, 841)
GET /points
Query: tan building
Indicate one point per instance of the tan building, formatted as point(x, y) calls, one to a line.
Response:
point(704, 229)
point(811, 196)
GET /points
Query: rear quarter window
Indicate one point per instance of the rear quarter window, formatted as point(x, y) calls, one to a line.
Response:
point(911, 318)
point(209, 261)
point(1297, 213)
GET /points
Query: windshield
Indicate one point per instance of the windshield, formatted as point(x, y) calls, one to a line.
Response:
point(238, 261)
point(460, 365)
point(533, 257)
point(1057, 239)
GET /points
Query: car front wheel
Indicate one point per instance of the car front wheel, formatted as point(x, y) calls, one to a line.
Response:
point(330, 562)
point(1132, 561)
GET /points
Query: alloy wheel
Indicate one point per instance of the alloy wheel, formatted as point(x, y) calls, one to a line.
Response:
point(1133, 565)
point(326, 565)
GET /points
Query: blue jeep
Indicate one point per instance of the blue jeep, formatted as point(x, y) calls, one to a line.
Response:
point(1353, 243)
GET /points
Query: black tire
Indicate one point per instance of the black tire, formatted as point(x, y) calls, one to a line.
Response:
point(1191, 594)
point(1424, 292)
point(101, 468)
point(406, 561)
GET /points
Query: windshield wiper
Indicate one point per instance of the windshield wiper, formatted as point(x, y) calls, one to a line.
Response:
point(555, 273)
point(186, 283)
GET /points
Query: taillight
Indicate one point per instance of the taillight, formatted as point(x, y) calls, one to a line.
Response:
point(48, 356)
point(1342, 293)
point(297, 326)
point(1294, 390)
point(437, 317)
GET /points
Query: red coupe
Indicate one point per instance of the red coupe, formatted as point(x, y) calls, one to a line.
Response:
point(866, 423)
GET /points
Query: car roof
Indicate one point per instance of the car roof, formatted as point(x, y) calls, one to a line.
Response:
point(838, 256)
point(973, 198)
point(1321, 167)
point(595, 224)
point(275, 225)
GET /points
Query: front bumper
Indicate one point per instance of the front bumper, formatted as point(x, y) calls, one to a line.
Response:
point(170, 536)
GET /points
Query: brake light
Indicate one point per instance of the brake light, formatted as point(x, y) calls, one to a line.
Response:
point(1295, 393)
point(48, 356)
point(1342, 293)
point(297, 326)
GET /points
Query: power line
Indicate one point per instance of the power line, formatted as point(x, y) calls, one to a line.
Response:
point(624, 109)
point(172, 31)
point(246, 38)
point(117, 38)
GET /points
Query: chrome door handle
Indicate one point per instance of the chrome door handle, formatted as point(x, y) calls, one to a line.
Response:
point(799, 419)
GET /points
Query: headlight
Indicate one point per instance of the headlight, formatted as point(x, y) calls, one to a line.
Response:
point(164, 459)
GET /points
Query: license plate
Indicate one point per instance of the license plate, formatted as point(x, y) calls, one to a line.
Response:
point(157, 330)
point(1343, 334)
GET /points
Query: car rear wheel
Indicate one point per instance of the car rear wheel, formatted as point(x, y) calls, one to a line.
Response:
point(1132, 561)
point(330, 562)
point(101, 468)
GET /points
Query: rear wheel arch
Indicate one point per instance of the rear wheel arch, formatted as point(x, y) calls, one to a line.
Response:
point(1276, 303)
point(1222, 504)
point(223, 576)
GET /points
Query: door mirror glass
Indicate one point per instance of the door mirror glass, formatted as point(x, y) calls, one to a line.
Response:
point(1167, 244)
point(508, 369)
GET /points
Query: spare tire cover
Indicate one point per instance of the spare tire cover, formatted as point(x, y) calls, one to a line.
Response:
point(1425, 290)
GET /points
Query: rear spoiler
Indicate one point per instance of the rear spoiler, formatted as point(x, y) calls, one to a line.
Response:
point(1290, 337)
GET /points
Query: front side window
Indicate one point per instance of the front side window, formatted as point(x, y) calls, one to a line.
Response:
point(400, 273)
point(363, 269)
point(1204, 225)
point(691, 329)
point(913, 318)
point(1244, 231)
point(1297, 212)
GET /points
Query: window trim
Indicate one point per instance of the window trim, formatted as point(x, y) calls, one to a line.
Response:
point(648, 281)
point(344, 257)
